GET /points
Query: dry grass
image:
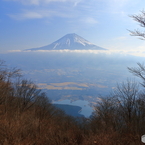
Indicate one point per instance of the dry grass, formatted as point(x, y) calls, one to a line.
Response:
point(28, 118)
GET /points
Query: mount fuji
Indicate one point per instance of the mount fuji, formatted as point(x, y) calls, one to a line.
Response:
point(71, 42)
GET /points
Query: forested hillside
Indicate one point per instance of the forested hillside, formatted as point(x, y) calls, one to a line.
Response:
point(27, 116)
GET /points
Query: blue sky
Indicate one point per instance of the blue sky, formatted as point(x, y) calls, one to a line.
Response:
point(28, 24)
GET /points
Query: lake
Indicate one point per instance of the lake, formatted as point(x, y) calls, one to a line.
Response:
point(86, 109)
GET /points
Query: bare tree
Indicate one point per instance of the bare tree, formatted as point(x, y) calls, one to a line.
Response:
point(26, 93)
point(104, 116)
point(126, 95)
point(7, 77)
point(139, 72)
point(140, 18)
point(121, 111)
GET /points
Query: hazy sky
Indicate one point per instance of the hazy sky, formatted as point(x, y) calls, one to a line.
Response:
point(33, 23)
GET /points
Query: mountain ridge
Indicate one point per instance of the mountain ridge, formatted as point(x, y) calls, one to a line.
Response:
point(70, 41)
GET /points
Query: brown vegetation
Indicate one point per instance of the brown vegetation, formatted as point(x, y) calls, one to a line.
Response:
point(28, 118)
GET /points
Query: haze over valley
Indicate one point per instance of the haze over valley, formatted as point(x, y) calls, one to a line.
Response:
point(73, 74)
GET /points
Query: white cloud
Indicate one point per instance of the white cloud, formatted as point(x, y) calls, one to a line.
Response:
point(120, 38)
point(9, 51)
point(140, 53)
point(38, 14)
point(26, 15)
point(89, 20)
point(117, 3)
point(38, 2)
point(120, 6)
point(76, 2)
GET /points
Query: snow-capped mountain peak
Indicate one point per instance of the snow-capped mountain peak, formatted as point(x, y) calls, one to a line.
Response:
point(70, 41)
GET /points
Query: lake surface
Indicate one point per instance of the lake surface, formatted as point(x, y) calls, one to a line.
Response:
point(86, 109)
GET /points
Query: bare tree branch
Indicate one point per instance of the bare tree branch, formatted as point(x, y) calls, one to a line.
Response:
point(140, 18)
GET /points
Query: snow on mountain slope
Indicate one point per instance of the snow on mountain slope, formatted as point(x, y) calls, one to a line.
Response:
point(72, 42)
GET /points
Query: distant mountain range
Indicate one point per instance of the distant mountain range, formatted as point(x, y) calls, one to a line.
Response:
point(70, 41)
